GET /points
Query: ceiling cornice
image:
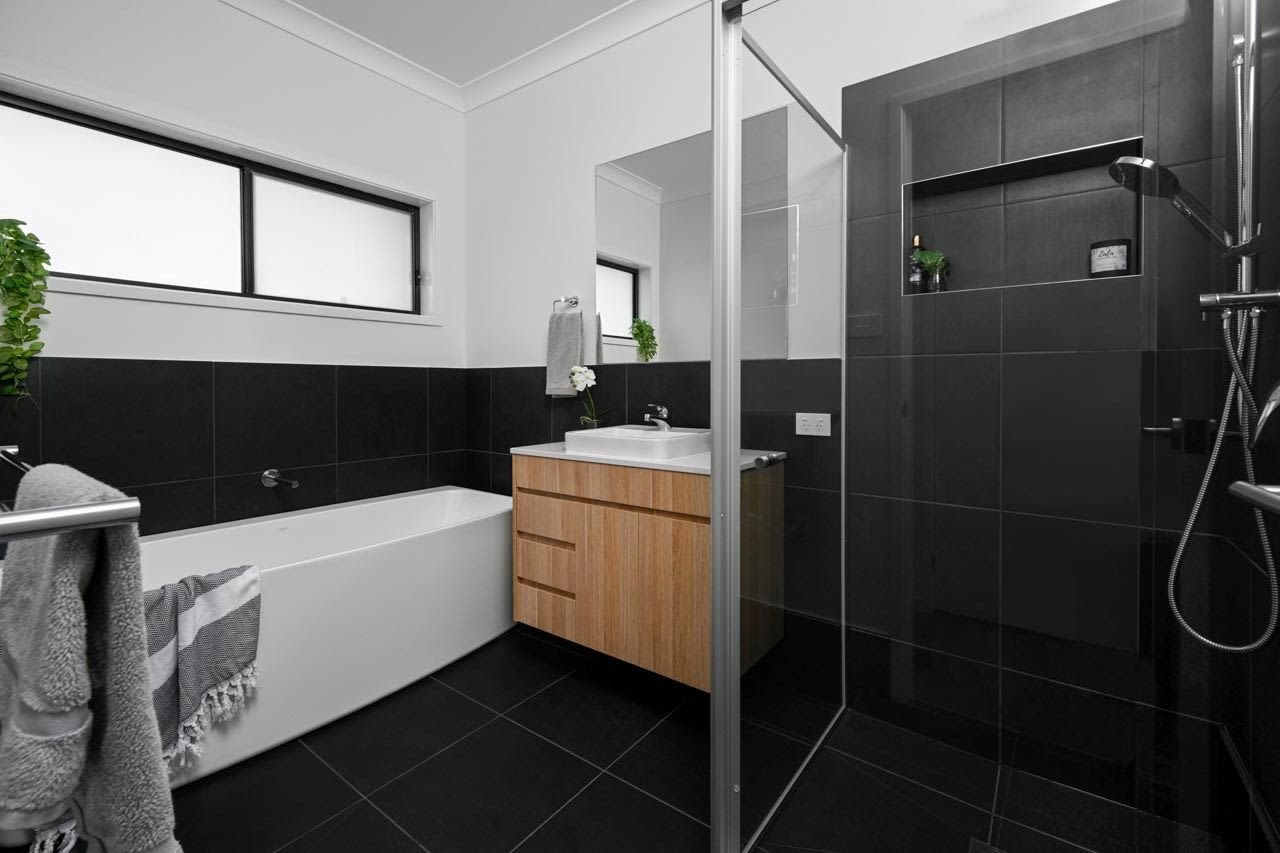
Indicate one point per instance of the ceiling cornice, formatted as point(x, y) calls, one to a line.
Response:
point(327, 35)
point(629, 181)
point(616, 25)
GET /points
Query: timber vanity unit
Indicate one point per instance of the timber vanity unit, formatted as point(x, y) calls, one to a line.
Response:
point(613, 551)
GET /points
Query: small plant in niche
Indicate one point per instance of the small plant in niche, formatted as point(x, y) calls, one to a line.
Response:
point(646, 340)
point(931, 261)
point(24, 267)
point(583, 379)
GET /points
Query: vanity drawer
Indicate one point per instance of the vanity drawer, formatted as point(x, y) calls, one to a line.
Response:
point(553, 612)
point(548, 564)
point(617, 484)
point(548, 517)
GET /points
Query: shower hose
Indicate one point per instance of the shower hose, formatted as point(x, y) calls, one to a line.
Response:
point(1240, 396)
point(1242, 346)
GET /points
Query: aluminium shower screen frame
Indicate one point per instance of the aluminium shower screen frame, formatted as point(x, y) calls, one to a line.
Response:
point(729, 40)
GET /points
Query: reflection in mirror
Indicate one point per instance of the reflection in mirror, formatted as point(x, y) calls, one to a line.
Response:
point(653, 235)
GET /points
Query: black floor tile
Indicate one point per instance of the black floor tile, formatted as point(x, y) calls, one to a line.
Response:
point(1092, 822)
point(486, 793)
point(259, 804)
point(673, 764)
point(845, 806)
point(931, 763)
point(360, 827)
point(379, 742)
point(613, 816)
point(600, 710)
point(508, 670)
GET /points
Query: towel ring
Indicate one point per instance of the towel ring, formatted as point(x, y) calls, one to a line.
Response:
point(571, 301)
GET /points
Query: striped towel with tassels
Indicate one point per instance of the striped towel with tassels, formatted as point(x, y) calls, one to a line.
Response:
point(202, 647)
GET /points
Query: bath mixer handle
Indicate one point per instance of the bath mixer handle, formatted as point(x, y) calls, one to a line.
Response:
point(272, 478)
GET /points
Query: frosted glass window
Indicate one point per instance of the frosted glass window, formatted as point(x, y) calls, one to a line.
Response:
point(115, 208)
point(615, 299)
point(319, 246)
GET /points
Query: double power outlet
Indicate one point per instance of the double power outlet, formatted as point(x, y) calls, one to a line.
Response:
point(813, 423)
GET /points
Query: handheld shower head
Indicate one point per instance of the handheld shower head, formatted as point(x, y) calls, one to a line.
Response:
point(1147, 177)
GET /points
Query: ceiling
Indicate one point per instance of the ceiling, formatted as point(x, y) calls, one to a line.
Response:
point(460, 40)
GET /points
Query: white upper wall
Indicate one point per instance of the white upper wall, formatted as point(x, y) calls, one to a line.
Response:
point(531, 176)
point(208, 72)
point(531, 154)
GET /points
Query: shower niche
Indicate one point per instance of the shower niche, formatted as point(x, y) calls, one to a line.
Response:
point(1029, 221)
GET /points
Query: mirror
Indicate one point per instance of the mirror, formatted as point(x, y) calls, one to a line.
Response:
point(653, 248)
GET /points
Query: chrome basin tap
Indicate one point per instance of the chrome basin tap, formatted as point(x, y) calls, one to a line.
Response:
point(661, 420)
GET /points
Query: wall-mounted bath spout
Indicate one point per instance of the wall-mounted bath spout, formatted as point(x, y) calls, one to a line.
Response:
point(1147, 177)
point(271, 478)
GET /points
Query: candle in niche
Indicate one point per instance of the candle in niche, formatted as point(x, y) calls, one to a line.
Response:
point(1109, 257)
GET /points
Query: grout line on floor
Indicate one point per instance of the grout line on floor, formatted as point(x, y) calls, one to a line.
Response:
point(339, 813)
point(587, 761)
point(563, 806)
point(363, 799)
point(540, 691)
point(851, 757)
point(442, 749)
point(647, 732)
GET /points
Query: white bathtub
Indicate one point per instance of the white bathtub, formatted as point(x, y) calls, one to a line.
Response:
point(358, 600)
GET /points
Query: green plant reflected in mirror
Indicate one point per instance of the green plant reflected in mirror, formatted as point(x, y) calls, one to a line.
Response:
point(24, 269)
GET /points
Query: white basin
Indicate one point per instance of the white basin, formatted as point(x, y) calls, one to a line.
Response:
point(638, 442)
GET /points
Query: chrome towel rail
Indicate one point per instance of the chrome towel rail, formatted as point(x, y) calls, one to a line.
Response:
point(26, 523)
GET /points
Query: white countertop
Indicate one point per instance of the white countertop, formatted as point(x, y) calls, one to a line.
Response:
point(698, 463)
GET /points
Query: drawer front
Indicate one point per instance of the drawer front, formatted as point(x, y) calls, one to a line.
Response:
point(549, 611)
point(617, 484)
point(546, 564)
point(548, 517)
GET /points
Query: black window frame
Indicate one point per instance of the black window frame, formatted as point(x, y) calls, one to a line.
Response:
point(635, 291)
point(248, 168)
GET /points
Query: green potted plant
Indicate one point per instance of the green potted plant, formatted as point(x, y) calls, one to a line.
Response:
point(646, 340)
point(935, 264)
point(24, 268)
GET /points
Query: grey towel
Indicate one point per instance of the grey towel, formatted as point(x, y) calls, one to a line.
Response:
point(76, 721)
point(564, 350)
point(202, 639)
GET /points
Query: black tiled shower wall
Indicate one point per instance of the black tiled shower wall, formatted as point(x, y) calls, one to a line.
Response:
point(1009, 522)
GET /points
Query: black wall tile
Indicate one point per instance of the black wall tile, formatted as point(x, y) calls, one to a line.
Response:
point(466, 468)
point(1082, 739)
point(377, 477)
point(945, 698)
point(500, 473)
point(1048, 239)
point(881, 321)
point(1093, 97)
point(381, 411)
point(954, 132)
point(1072, 434)
point(812, 552)
point(479, 396)
point(273, 416)
point(974, 242)
point(174, 506)
point(684, 387)
point(609, 393)
point(20, 425)
point(521, 408)
point(243, 495)
point(1084, 315)
point(890, 435)
point(448, 409)
point(1074, 603)
point(926, 574)
point(128, 421)
point(966, 321)
point(966, 429)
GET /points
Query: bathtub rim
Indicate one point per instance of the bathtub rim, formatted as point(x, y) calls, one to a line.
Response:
point(315, 510)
